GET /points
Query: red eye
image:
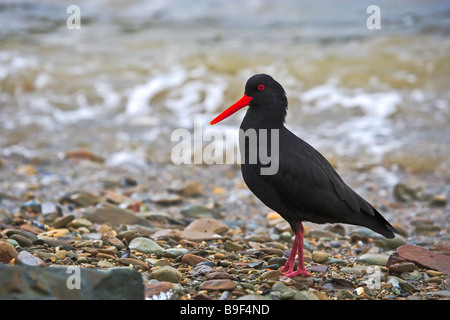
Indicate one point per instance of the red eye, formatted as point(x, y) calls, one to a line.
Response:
point(261, 87)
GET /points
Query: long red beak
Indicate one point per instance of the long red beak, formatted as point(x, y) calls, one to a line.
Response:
point(242, 102)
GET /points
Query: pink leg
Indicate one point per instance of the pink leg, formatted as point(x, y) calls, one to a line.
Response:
point(290, 263)
point(289, 266)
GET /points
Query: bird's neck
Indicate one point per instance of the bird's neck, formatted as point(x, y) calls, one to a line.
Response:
point(257, 119)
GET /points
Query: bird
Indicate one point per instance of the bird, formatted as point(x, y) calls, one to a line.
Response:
point(303, 185)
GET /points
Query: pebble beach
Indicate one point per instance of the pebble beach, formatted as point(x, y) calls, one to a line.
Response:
point(209, 238)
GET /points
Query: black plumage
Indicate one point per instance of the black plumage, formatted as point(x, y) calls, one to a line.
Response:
point(305, 186)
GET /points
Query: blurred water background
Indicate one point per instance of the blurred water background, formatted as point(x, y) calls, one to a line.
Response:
point(136, 70)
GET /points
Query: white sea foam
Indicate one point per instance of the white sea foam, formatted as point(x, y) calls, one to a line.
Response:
point(111, 98)
point(370, 130)
point(329, 95)
point(139, 101)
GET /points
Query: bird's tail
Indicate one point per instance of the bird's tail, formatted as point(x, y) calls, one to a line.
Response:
point(380, 225)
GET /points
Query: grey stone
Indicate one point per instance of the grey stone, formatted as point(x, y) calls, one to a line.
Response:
point(441, 293)
point(46, 283)
point(62, 221)
point(374, 259)
point(27, 259)
point(379, 240)
point(232, 246)
point(284, 291)
point(305, 295)
point(174, 252)
point(145, 245)
point(197, 211)
point(254, 297)
point(114, 215)
point(338, 261)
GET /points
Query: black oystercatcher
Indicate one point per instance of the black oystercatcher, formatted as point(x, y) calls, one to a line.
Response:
point(304, 187)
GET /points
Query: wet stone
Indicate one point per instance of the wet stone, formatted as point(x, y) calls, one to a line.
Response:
point(80, 222)
point(62, 221)
point(424, 257)
point(198, 211)
point(380, 241)
point(31, 283)
point(254, 297)
point(256, 264)
point(271, 274)
point(7, 252)
point(145, 245)
point(31, 228)
point(282, 291)
point(51, 241)
point(134, 262)
point(320, 268)
point(25, 258)
point(166, 273)
point(23, 233)
point(413, 275)
point(192, 259)
point(407, 193)
point(174, 252)
point(162, 290)
point(320, 256)
point(279, 261)
point(441, 246)
point(442, 293)
point(105, 264)
point(81, 199)
point(402, 267)
point(305, 295)
point(233, 246)
point(201, 270)
point(258, 238)
point(22, 241)
point(374, 259)
point(204, 229)
point(191, 189)
point(206, 263)
point(317, 234)
point(226, 295)
point(217, 275)
point(218, 284)
point(83, 154)
point(337, 261)
point(116, 242)
point(439, 200)
point(166, 199)
point(128, 235)
point(114, 215)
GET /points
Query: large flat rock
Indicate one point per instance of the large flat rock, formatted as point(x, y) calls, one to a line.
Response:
point(69, 283)
point(425, 258)
point(114, 215)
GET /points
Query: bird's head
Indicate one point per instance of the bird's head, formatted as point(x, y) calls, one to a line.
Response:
point(264, 95)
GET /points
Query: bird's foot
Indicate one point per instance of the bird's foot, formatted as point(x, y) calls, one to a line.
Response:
point(298, 272)
point(288, 267)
